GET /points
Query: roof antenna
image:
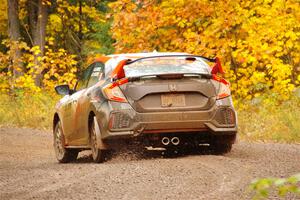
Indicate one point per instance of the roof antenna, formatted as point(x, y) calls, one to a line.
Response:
point(154, 51)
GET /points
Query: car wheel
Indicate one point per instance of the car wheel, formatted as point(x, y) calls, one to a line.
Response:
point(62, 154)
point(97, 154)
point(221, 148)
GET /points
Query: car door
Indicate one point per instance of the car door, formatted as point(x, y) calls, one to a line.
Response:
point(80, 88)
point(83, 106)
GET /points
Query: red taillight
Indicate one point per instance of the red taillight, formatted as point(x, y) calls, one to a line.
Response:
point(219, 79)
point(113, 92)
point(223, 95)
point(223, 90)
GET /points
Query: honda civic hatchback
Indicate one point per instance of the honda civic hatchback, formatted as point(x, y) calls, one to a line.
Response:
point(159, 100)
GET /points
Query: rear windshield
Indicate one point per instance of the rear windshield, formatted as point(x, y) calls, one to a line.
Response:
point(160, 66)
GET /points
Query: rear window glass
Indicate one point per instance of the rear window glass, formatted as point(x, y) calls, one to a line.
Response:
point(160, 66)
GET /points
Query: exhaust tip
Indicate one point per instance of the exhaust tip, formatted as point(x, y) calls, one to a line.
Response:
point(165, 141)
point(175, 141)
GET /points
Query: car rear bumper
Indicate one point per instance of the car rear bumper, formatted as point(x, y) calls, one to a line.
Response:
point(121, 121)
point(211, 129)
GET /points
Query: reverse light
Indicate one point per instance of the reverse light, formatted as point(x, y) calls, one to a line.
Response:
point(113, 92)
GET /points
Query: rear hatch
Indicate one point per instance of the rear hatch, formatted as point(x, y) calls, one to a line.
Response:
point(168, 83)
point(170, 95)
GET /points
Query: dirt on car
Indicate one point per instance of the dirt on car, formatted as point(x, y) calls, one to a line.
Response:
point(29, 170)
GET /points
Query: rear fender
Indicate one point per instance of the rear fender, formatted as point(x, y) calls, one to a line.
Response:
point(100, 143)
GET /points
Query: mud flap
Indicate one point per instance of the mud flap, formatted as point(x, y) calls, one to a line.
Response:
point(101, 145)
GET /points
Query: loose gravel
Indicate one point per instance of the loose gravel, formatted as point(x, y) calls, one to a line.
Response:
point(29, 170)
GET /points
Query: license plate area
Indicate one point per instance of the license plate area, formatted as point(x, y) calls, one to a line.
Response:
point(172, 100)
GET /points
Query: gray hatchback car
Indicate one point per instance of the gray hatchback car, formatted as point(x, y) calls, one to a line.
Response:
point(160, 100)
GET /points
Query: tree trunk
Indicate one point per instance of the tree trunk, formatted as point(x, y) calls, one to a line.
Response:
point(38, 21)
point(80, 35)
point(14, 35)
point(32, 18)
point(41, 22)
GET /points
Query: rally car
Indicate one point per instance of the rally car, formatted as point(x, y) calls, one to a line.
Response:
point(160, 100)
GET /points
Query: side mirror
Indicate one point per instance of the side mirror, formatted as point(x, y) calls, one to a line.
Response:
point(63, 89)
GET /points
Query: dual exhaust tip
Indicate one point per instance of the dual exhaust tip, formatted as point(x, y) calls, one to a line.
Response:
point(166, 141)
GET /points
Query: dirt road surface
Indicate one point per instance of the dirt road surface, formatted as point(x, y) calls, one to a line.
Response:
point(28, 170)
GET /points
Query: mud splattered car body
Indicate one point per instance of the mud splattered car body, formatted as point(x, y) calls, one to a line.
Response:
point(167, 100)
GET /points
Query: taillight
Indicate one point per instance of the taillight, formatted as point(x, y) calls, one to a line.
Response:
point(223, 90)
point(113, 92)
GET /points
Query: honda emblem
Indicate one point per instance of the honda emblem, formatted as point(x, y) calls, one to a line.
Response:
point(173, 87)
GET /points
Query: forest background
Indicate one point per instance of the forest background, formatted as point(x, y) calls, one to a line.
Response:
point(49, 42)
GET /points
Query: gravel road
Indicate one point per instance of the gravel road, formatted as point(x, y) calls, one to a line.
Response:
point(28, 170)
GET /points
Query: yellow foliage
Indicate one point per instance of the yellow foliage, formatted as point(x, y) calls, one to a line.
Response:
point(57, 67)
point(67, 15)
point(3, 17)
point(61, 68)
point(258, 41)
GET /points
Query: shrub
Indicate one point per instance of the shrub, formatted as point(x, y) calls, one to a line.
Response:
point(283, 186)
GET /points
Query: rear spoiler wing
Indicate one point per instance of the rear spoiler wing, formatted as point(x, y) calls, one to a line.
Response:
point(118, 72)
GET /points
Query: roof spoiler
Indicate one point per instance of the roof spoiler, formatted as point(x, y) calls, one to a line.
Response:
point(118, 72)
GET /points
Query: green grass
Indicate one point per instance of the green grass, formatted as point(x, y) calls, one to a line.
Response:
point(259, 122)
point(282, 186)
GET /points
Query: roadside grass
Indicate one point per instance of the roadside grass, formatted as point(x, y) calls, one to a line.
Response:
point(260, 122)
point(271, 122)
point(27, 110)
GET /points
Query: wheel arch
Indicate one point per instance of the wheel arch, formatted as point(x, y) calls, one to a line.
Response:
point(100, 143)
point(90, 119)
point(56, 119)
point(93, 112)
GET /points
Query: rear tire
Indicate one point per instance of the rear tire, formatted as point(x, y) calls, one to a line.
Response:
point(221, 148)
point(62, 154)
point(222, 144)
point(97, 154)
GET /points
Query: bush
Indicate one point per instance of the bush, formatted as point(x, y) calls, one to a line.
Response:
point(283, 186)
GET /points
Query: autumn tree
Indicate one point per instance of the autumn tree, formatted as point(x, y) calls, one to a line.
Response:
point(258, 41)
point(52, 36)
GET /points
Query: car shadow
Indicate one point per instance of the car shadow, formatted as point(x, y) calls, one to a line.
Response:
point(125, 155)
point(84, 159)
point(177, 153)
